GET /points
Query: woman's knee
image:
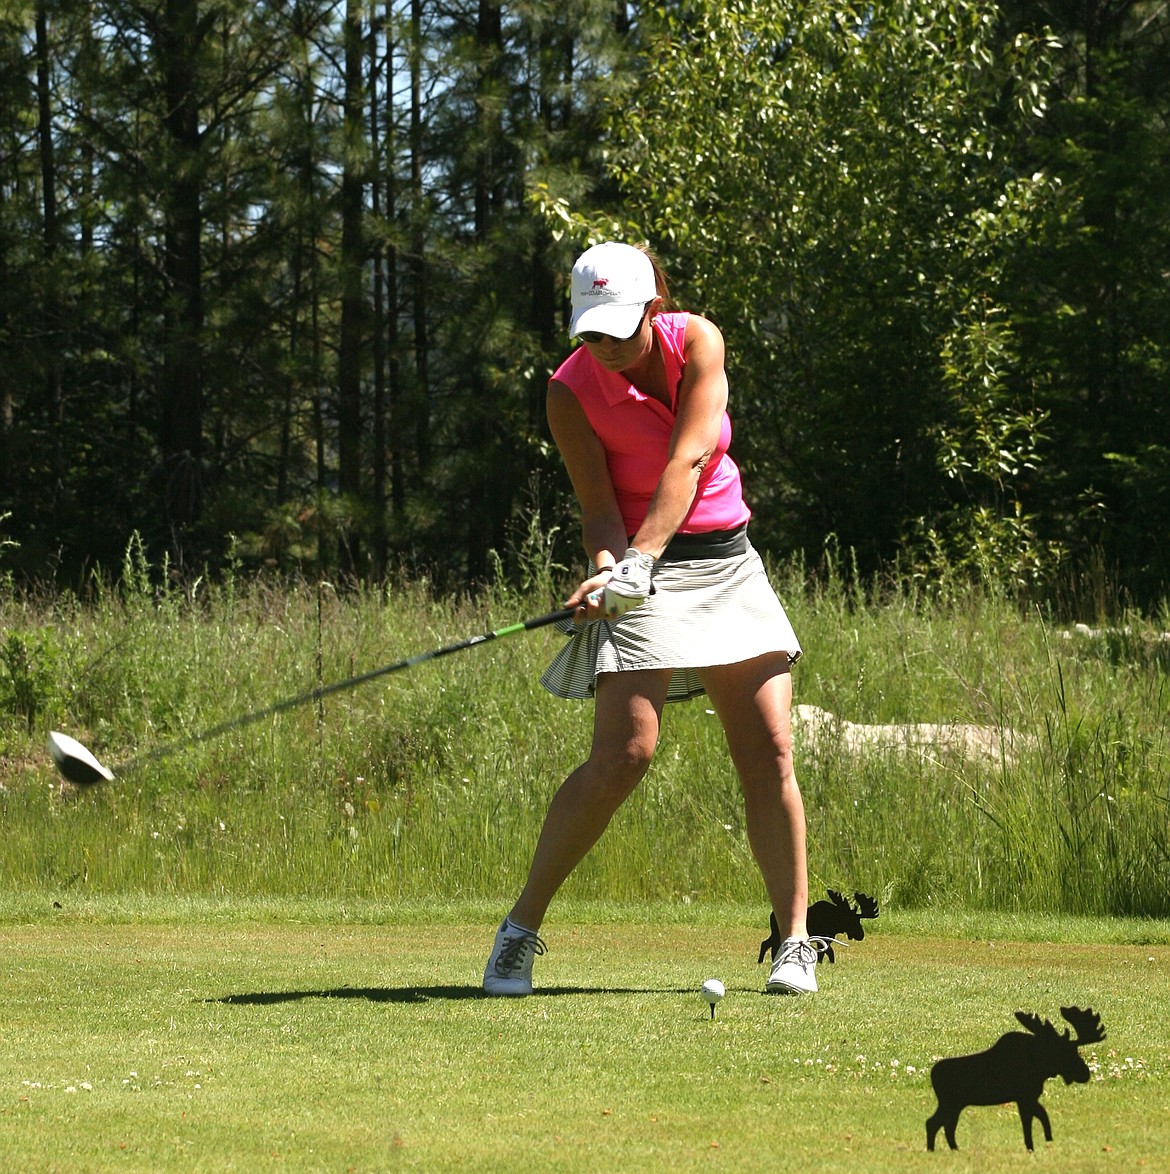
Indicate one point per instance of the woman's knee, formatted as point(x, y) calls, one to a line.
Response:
point(768, 770)
point(614, 772)
point(627, 719)
point(628, 767)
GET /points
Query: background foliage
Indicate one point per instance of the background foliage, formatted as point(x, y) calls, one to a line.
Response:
point(432, 783)
point(283, 282)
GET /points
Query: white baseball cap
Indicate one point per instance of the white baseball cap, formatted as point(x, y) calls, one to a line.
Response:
point(610, 285)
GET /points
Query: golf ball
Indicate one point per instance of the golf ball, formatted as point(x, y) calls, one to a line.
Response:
point(712, 990)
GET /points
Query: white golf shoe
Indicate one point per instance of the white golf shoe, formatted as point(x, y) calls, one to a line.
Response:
point(795, 970)
point(509, 966)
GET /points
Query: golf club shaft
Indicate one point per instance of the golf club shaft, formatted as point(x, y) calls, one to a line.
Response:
point(321, 691)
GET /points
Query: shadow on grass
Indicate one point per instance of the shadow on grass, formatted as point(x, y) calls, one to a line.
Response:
point(420, 994)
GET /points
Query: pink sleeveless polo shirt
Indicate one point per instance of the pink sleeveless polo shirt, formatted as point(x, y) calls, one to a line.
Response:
point(635, 430)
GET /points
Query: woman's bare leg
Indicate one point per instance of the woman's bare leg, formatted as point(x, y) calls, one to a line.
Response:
point(753, 700)
point(626, 721)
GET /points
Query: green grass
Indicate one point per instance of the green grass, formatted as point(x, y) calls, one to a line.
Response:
point(148, 1033)
point(430, 784)
point(265, 951)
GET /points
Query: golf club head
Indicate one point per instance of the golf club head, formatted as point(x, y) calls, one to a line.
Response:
point(74, 762)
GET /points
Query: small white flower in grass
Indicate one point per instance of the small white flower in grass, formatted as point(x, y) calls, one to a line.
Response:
point(87, 1086)
point(349, 809)
point(70, 1088)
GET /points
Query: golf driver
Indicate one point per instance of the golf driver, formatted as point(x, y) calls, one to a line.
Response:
point(77, 765)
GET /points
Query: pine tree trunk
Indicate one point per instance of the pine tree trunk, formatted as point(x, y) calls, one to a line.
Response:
point(349, 365)
point(181, 431)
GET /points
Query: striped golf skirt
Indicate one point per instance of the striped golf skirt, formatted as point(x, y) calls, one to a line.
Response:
point(704, 611)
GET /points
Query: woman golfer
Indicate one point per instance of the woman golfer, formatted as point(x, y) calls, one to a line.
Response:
point(677, 602)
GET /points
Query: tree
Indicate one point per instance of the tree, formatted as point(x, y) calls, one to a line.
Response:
point(1089, 290)
point(352, 262)
point(516, 102)
point(824, 199)
point(178, 45)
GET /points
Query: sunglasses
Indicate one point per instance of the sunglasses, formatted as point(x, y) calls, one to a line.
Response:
point(598, 336)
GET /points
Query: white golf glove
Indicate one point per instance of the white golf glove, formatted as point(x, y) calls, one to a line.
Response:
point(630, 583)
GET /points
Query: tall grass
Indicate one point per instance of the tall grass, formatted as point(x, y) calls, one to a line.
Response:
point(433, 782)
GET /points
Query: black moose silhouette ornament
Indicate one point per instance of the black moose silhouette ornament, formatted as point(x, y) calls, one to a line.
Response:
point(1014, 1068)
point(837, 917)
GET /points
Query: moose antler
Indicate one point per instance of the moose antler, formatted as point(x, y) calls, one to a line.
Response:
point(1036, 1025)
point(1086, 1023)
point(867, 906)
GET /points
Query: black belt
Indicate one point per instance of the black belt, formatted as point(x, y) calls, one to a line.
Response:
point(712, 544)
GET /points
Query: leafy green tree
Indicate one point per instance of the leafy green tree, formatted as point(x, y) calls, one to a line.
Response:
point(825, 196)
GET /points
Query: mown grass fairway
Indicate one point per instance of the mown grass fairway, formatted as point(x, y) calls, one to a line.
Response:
point(221, 1036)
